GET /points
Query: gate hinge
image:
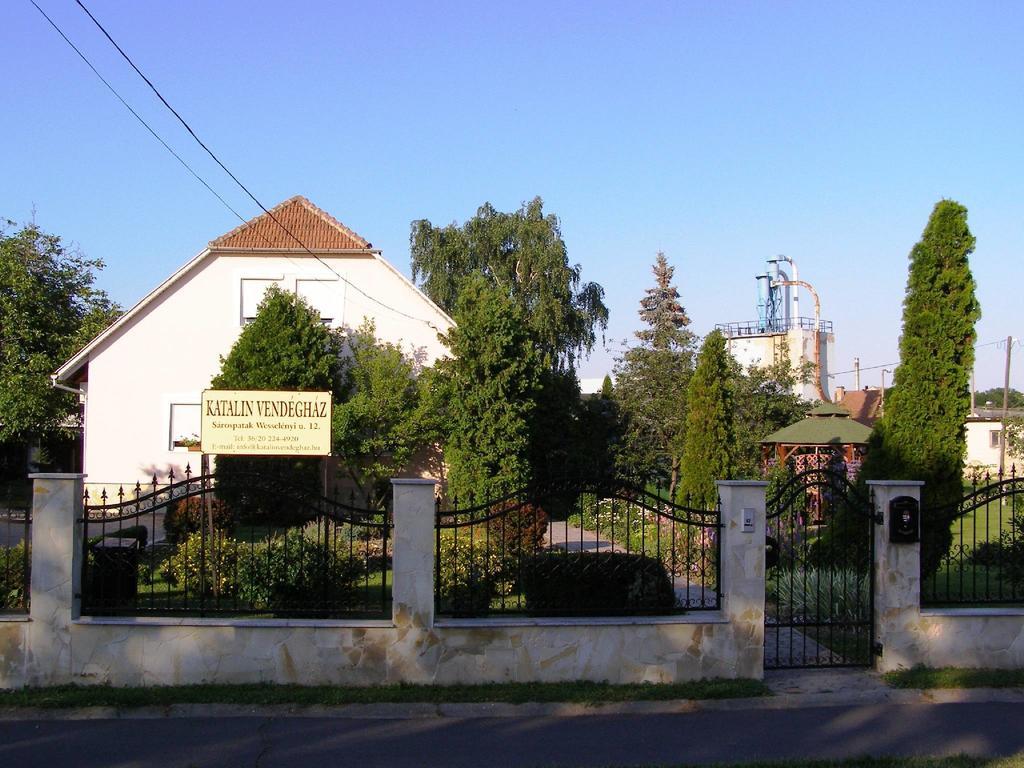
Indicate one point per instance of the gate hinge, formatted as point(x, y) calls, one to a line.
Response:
point(876, 648)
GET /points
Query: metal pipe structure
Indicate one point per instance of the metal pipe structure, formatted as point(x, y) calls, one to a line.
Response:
point(817, 332)
point(796, 279)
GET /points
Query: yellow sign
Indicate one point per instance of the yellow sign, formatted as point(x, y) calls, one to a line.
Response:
point(261, 423)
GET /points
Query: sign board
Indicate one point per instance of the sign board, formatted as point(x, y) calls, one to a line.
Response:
point(265, 423)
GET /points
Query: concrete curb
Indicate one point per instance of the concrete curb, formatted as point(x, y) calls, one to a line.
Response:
point(534, 710)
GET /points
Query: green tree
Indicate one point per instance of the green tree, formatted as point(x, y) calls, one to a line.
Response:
point(921, 435)
point(490, 385)
point(49, 308)
point(382, 424)
point(708, 453)
point(522, 254)
point(1015, 398)
point(651, 383)
point(286, 347)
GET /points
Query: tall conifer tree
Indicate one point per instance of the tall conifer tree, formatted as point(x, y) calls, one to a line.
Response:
point(651, 381)
point(921, 435)
point(708, 454)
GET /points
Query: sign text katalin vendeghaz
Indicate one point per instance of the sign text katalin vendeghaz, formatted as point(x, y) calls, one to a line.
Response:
point(261, 423)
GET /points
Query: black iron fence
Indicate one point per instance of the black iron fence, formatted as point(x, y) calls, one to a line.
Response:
point(250, 545)
point(15, 560)
point(593, 552)
point(984, 564)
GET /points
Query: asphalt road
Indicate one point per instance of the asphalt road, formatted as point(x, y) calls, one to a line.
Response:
point(988, 729)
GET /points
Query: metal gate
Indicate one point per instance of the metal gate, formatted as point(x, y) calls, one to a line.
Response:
point(819, 579)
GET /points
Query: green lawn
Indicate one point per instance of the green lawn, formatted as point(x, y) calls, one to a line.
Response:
point(262, 694)
point(963, 580)
point(952, 677)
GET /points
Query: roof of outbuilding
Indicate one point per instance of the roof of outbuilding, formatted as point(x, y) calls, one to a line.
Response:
point(313, 228)
point(828, 424)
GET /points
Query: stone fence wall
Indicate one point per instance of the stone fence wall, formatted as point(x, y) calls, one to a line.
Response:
point(54, 644)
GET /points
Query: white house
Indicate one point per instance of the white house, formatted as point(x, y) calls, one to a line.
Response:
point(142, 378)
point(984, 430)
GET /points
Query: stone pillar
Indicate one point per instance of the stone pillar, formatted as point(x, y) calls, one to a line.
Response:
point(897, 570)
point(56, 570)
point(413, 557)
point(743, 570)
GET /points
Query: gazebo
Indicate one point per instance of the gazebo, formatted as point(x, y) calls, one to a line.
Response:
point(826, 435)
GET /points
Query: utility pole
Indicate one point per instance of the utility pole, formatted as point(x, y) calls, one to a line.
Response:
point(1006, 407)
point(856, 373)
point(881, 400)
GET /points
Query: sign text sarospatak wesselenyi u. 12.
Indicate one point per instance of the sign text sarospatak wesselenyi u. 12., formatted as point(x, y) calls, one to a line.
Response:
point(263, 423)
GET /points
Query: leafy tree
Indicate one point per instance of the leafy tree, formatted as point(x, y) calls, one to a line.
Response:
point(49, 308)
point(382, 425)
point(490, 385)
point(521, 254)
point(708, 453)
point(286, 347)
point(651, 383)
point(921, 435)
point(995, 396)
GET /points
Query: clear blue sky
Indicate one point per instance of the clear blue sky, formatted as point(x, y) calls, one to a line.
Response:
point(721, 133)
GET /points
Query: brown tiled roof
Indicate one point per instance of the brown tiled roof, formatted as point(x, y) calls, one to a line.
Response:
point(863, 405)
point(316, 229)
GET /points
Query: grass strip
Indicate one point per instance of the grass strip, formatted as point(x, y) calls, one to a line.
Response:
point(954, 677)
point(955, 761)
point(64, 696)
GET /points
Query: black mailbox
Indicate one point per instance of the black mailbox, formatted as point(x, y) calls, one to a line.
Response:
point(904, 520)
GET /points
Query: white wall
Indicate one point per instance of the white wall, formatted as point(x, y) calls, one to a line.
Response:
point(979, 447)
point(169, 351)
point(761, 350)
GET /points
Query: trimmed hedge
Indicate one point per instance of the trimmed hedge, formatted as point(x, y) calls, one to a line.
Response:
point(597, 584)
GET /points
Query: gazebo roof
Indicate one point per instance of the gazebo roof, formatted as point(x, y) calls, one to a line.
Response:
point(827, 424)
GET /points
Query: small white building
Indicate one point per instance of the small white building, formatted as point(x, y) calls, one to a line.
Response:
point(984, 439)
point(143, 376)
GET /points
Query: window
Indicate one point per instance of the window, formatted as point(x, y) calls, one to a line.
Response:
point(252, 295)
point(184, 425)
point(325, 296)
point(994, 438)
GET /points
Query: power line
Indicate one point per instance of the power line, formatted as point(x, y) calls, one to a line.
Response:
point(234, 178)
point(136, 115)
point(998, 343)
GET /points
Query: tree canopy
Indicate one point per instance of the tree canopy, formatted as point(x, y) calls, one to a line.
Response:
point(921, 435)
point(489, 389)
point(285, 347)
point(523, 256)
point(381, 426)
point(708, 453)
point(49, 308)
point(651, 382)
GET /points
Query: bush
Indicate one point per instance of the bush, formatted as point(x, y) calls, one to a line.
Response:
point(187, 517)
point(987, 553)
point(596, 584)
point(270, 490)
point(205, 564)
point(302, 570)
point(13, 594)
point(468, 577)
point(1011, 546)
point(843, 594)
point(519, 531)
